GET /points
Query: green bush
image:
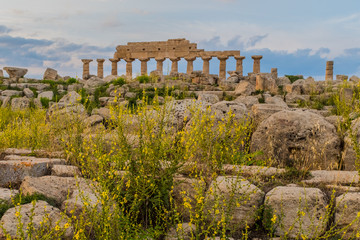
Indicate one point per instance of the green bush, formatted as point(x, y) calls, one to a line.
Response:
point(118, 82)
point(143, 79)
point(45, 102)
point(71, 81)
point(293, 78)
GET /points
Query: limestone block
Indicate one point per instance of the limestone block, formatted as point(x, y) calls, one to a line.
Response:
point(281, 81)
point(298, 138)
point(252, 170)
point(354, 79)
point(300, 211)
point(1, 73)
point(11, 93)
point(348, 214)
point(41, 212)
point(51, 74)
point(249, 101)
point(65, 171)
point(221, 110)
point(242, 198)
point(28, 93)
point(6, 195)
point(14, 171)
point(110, 78)
point(333, 177)
point(54, 187)
point(15, 72)
point(48, 94)
point(210, 98)
point(276, 100)
point(93, 120)
point(103, 112)
point(244, 88)
point(20, 103)
point(260, 112)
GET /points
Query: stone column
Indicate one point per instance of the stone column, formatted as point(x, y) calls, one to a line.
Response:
point(274, 73)
point(260, 83)
point(329, 74)
point(159, 64)
point(86, 67)
point(190, 65)
point(222, 67)
point(206, 65)
point(256, 67)
point(174, 65)
point(239, 64)
point(100, 68)
point(114, 66)
point(144, 65)
point(129, 68)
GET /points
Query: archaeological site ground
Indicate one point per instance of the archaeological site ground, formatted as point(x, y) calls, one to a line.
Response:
point(171, 155)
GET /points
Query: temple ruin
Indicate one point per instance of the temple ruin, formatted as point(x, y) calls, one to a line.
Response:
point(173, 49)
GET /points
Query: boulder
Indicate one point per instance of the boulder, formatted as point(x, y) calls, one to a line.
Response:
point(210, 98)
point(349, 153)
point(13, 169)
point(69, 99)
point(241, 197)
point(298, 139)
point(41, 216)
point(6, 195)
point(11, 93)
point(51, 74)
point(48, 94)
point(333, 177)
point(93, 120)
point(276, 100)
point(354, 79)
point(28, 93)
point(281, 81)
point(94, 82)
point(20, 103)
point(65, 171)
point(249, 101)
point(260, 112)
point(244, 88)
point(347, 215)
point(300, 212)
point(221, 110)
point(15, 73)
point(53, 187)
point(103, 112)
point(110, 78)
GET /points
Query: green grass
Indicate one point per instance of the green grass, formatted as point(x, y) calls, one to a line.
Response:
point(293, 78)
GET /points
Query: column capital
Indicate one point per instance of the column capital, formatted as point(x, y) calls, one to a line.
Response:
point(190, 59)
point(255, 57)
point(86, 60)
point(206, 58)
point(239, 57)
point(222, 58)
point(160, 59)
point(144, 59)
point(129, 59)
point(114, 59)
point(176, 59)
point(100, 60)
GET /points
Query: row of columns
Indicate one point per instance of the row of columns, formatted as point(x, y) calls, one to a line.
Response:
point(174, 65)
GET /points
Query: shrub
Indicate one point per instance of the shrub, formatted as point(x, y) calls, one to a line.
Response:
point(293, 78)
point(71, 81)
point(144, 79)
point(45, 102)
point(118, 82)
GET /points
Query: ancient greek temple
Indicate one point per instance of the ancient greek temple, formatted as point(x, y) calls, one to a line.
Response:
point(173, 49)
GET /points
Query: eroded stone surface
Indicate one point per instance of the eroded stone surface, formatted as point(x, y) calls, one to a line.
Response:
point(300, 211)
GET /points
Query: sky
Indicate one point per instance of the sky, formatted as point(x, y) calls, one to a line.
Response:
point(295, 36)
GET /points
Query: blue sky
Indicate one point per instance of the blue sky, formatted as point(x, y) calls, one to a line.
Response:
point(297, 37)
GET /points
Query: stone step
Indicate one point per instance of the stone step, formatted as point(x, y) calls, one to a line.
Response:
point(14, 169)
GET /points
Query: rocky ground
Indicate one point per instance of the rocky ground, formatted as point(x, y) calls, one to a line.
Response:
point(298, 124)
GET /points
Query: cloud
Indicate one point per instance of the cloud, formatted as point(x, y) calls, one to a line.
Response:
point(4, 29)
